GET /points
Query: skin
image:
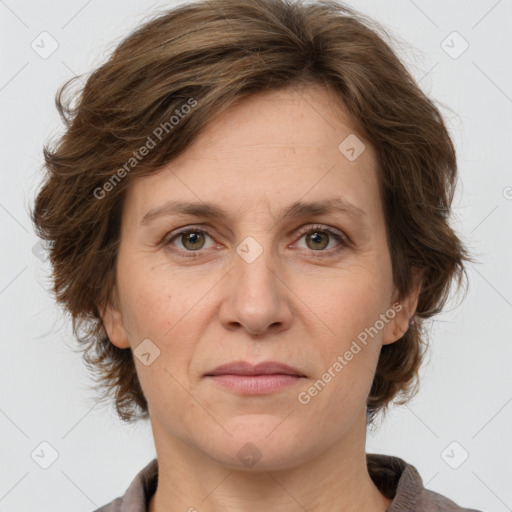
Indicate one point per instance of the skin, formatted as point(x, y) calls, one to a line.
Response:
point(273, 149)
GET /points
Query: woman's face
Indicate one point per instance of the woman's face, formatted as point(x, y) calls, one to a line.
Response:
point(259, 284)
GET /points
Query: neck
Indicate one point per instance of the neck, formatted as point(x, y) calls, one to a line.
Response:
point(336, 479)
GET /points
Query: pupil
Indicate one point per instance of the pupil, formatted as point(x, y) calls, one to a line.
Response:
point(316, 237)
point(192, 238)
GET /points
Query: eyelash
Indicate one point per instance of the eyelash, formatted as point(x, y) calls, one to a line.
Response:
point(341, 238)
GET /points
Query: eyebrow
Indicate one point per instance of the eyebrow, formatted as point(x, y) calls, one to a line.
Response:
point(295, 210)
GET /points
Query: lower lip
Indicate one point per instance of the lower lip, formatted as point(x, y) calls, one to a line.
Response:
point(255, 384)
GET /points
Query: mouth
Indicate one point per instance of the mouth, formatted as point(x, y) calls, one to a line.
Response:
point(260, 379)
point(248, 369)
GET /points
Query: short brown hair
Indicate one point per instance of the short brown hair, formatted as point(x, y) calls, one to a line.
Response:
point(214, 53)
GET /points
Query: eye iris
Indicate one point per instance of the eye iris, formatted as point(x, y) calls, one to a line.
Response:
point(316, 237)
point(192, 238)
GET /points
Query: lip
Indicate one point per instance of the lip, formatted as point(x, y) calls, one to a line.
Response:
point(248, 369)
point(247, 379)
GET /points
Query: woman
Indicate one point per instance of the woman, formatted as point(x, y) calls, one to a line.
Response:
point(248, 216)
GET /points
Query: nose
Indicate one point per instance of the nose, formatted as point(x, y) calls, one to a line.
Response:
point(257, 297)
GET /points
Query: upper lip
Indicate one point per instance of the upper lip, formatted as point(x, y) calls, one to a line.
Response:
point(264, 368)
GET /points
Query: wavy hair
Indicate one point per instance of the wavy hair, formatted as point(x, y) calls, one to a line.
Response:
point(218, 52)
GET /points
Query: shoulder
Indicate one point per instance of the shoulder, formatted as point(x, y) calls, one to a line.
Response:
point(113, 506)
point(401, 481)
point(430, 501)
point(138, 493)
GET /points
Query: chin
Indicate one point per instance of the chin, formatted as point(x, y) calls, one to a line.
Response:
point(265, 445)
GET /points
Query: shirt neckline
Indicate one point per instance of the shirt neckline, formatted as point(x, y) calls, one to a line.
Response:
point(395, 479)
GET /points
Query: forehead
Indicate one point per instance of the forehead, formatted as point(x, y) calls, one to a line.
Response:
point(272, 148)
point(285, 120)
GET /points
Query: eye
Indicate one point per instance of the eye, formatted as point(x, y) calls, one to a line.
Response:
point(318, 237)
point(192, 240)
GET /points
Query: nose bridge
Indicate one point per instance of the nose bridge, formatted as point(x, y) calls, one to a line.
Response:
point(254, 268)
point(256, 298)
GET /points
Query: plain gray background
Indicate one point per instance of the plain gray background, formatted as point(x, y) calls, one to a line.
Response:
point(464, 408)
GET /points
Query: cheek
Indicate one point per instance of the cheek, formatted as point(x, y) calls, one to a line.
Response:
point(153, 300)
point(350, 305)
point(154, 310)
point(347, 302)
point(147, 310)
point(164, 307)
